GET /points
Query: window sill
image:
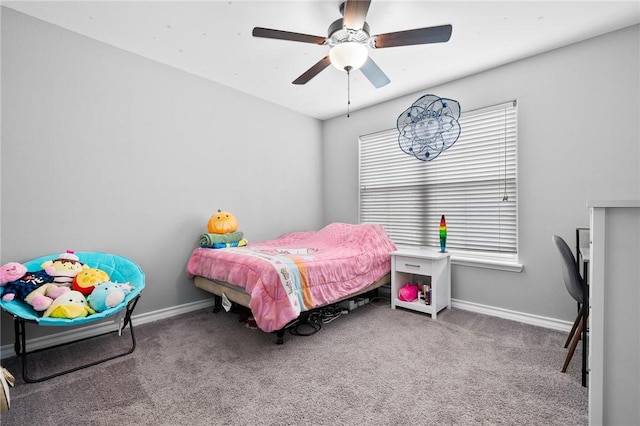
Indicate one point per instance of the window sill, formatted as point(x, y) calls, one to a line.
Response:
point(487, 262)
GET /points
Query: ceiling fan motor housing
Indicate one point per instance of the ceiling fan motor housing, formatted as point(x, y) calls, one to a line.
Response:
point(338, 33)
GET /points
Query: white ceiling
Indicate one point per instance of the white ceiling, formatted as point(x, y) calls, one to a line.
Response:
point(212, 39)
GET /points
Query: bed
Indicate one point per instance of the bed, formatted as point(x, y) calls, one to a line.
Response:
point(297, 272)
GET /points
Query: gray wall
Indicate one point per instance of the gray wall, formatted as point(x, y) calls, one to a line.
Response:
point(108, 151)
point(105, 150)
point(578, 140)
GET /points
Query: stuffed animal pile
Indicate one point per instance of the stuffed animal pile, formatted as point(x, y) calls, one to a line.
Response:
point(64, 287)
point(223, 232)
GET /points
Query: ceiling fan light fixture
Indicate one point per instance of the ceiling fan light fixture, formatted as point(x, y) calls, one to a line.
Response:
point(350, 54)
point(350, 39)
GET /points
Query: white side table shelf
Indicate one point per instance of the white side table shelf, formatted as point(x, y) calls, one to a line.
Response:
point(422, 265)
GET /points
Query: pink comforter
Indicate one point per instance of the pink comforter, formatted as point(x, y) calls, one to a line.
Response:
point(299, 271)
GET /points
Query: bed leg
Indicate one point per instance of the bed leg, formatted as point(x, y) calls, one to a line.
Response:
point(280, 337)
point(217, 304)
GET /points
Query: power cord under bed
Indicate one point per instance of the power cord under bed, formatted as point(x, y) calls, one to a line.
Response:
point(309, 323)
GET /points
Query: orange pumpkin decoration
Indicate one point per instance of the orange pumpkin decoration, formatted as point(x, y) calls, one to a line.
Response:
point(222, 223)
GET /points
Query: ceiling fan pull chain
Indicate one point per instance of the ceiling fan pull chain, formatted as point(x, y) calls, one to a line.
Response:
point(348, 90)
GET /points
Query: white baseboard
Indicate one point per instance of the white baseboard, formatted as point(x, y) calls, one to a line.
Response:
point(7, 351)
point(537, 320)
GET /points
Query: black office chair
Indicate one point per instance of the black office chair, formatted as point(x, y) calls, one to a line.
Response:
point(575, 287)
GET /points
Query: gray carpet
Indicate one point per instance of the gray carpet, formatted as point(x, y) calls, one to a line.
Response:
point(374, 366)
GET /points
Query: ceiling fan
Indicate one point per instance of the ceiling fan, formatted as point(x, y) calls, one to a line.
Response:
point(349, 38)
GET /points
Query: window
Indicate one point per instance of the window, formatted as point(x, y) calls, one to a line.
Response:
point(473, 184)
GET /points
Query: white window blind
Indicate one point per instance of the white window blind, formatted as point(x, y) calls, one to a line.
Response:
point(473, 183)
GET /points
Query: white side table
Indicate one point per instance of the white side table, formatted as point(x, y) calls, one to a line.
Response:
point(426, 266)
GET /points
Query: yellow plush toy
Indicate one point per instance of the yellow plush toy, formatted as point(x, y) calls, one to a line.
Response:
point(71, 304)
point(88, 278)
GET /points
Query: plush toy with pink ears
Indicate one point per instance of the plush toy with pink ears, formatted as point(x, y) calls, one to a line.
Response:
point(17, 282)
point(9, 272)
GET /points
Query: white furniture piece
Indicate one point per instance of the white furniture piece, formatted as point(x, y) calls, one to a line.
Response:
point(422, 266)
point(614, 295)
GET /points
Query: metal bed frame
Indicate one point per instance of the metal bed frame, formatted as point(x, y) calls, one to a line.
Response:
point(237, 295)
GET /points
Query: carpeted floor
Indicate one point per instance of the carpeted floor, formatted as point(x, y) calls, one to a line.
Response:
point(373, 366)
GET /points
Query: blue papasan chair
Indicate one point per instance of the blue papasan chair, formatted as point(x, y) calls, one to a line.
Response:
point(120, 269)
